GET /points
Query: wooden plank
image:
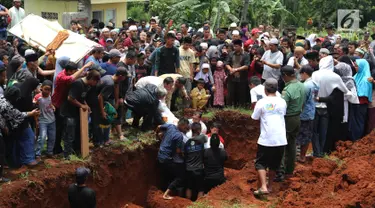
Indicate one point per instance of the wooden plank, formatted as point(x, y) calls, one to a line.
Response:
point(84, 119)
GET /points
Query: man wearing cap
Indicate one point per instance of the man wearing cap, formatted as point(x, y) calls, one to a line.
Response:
point(359, 52)
point(237, 64)
point(133, 32)
point(294, 96)
point(79, 195)
point(272, 140)
point(104, 36)
point(254, 37)
point(236, 35)
point(298, 60)
point(109, 44)
point(207, 24)
point(167, 58)
point(111, 66)
point(272, 61)
point(16, 13)
point(323, 53)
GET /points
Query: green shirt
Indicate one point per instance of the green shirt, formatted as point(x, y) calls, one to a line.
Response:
point(294, 96)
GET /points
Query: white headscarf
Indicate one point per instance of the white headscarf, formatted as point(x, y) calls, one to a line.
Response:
point(326, 63)
point(312, 38)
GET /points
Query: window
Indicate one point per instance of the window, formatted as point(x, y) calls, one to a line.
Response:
point(110, 16)
point(97, 15)
point(50, 15)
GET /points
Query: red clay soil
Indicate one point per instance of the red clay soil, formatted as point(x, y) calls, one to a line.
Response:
point(347, 181)
point(119, 178)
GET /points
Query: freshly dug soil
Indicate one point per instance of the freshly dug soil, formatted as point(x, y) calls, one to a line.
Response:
point(119, 178)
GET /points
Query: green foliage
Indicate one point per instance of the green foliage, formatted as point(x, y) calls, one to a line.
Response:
point(200, 204)
point(137, 11)
point(24, 175)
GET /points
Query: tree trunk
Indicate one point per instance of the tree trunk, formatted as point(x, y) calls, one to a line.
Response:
point(245, 11)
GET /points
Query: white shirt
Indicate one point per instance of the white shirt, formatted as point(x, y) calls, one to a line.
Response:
point(189, 134)
point(270, 111)
point(17, 15)
point(207, 145)
point(157, 81)
point(272, 58)
point(303, 63)
point(258, 93)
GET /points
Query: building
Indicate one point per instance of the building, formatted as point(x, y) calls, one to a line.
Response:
point(103, 10)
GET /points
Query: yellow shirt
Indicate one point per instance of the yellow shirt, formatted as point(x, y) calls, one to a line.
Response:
point(187, 57)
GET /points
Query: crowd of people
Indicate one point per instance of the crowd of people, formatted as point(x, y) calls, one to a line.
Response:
point(302, 89)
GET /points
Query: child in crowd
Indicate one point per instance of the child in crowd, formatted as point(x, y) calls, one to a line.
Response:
point(47, 124)
point(206, 75)
point(214, 130)
point(218, 88)
point(140, 67)
point(199, 95)
point(272, 140)
point(194, 152)
point(257, 90)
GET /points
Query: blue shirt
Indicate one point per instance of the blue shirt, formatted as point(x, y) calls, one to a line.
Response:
point(2, 8)
point(308, 112)
point(109, 68)
point(93, 59)
point(172, 140)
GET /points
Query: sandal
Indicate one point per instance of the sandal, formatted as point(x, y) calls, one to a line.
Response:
point(259, 192)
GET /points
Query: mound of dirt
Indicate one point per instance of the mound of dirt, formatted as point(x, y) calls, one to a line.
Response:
point(345, 182)
point(118, 177)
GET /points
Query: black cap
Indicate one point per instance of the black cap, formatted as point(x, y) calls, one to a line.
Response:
point(287, 70)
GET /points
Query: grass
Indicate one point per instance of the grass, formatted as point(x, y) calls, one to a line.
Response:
point(226, 205)
point(24, 175)
point(75, 158)
point(200, 204)
point(337, 160)
point(48, 166)
point(246, 111)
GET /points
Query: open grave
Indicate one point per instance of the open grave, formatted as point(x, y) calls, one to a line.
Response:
point(127, 175)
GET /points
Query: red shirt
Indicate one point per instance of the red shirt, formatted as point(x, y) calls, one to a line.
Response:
point(127, 42)
point(251, 42)
point(221, 138)
point(60, 93)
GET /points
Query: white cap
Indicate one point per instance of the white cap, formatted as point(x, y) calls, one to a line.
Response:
point(29, 52)
point(105, 30)
point(133, 28)
point(235, 32)
point(205, 66)
point(233, 24)
point(204, 46)
point(274, 41)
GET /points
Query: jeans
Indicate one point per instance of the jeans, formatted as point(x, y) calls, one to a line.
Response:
point(104, 135)
point(320, 131)
point(46, 130)
point(72, 140)
point(3, 35)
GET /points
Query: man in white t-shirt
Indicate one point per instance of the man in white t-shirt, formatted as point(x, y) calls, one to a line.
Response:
point(272, 61)
point(257, 90)
point(298, 61)
point(197, 118)
point(16, 13)
point(272, 140)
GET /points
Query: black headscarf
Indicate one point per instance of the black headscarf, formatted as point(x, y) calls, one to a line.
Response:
point(26, 87)
point(12, 94)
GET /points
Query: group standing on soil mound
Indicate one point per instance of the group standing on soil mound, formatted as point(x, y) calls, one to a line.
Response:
point(316, 90)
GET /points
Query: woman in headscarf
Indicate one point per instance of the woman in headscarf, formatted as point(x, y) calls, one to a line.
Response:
point(311, 39)
point(25, 141)
point(358, 112)
point(332, 91)
point(346, 59)
point(345, 72)
point(327, 81)
point(14, 122)
point(218, 89)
